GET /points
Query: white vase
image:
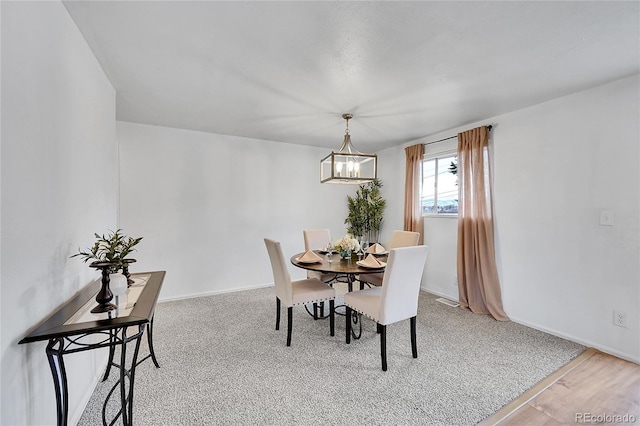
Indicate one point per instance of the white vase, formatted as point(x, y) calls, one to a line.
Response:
point(117, 284)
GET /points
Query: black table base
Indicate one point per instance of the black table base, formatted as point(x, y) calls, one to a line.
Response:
point(118, 337)
point(69, 330)
point(348, 279)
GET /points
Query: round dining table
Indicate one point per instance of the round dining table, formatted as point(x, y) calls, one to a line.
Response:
point(346, 269)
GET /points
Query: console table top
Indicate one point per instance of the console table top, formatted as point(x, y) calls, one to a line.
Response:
point(71, 318)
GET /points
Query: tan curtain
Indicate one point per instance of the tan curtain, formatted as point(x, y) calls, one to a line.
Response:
point(412, 213)
point(478, 285)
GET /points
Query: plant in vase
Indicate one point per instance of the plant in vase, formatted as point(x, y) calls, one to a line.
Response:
point(346, 245)
point(109, 254)
point(366, 211)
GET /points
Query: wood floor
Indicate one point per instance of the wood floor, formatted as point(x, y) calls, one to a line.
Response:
point(594, 388)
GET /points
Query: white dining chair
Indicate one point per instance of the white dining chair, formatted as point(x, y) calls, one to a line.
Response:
point(318, 239)
point(398, 239)
point(397, 298)
point(301, 292)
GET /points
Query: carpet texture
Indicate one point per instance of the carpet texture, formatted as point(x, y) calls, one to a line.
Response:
point(223, 363)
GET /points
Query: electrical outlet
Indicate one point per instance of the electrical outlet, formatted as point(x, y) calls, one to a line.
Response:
point(620, 319)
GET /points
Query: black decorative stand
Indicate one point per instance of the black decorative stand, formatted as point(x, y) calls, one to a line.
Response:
point(105, 295)
point(124, 332)
point(125, 270)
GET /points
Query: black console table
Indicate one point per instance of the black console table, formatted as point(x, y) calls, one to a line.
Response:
point(73, 328)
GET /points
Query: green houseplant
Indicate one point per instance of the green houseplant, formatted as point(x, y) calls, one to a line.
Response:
point(366, 211)
point(109, 254)
point(113, 247)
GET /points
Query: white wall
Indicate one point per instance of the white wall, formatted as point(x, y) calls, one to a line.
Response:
point(555, 166)
point(205, 202)
point(59, 185)
point(391, 165)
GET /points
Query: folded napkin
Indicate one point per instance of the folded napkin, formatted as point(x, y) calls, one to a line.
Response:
point(376, 249)
point(309, 256)
point(372, 262)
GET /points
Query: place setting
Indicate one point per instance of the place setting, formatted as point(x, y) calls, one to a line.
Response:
point(371, 262)
point(377, 250)
point(309, 256)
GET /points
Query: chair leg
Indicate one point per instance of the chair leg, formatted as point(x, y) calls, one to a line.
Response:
point(347, 315)
point(414, 345)
point(378, 328)
point(332, 317)
point(383, 346)
point(277, 314)
point(289, 324)
point(315, 311)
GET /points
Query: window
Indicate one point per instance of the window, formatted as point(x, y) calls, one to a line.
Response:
point(439, 190)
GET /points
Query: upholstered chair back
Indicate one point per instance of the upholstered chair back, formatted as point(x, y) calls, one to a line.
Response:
point(403, 239)
point(281, 277)
point(316, 239)
point(401, 283)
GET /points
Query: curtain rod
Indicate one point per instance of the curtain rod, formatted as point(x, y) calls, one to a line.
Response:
point(489, 127)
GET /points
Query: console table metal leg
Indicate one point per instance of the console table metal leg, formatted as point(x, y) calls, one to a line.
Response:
point(56, 362)
point(132, 373)
point(123, 373)
point(126, 392)
point(150, 342)
point(112, 350)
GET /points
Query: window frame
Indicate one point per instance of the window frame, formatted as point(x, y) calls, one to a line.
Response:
point(436, 156)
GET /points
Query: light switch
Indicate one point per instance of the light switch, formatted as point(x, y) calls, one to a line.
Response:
point(606, 217)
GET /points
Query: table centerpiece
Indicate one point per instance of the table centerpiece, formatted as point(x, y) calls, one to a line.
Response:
point(346, 246)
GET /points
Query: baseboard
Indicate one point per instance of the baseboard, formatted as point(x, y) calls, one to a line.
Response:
point(213, 293)
point(583, 342)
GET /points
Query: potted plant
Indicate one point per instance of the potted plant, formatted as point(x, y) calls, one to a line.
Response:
point(356, 218)
point(366, 211)
point(113, 248)
point(109, 253)
point(375, 210)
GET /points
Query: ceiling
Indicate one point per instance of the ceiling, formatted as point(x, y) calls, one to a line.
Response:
point(286, 71)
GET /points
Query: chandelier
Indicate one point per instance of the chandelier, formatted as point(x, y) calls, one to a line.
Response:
point(348, 166)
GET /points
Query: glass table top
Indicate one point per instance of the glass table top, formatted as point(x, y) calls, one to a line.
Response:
point(124, 303)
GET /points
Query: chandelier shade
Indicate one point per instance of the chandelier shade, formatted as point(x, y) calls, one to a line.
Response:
point(348, 166)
